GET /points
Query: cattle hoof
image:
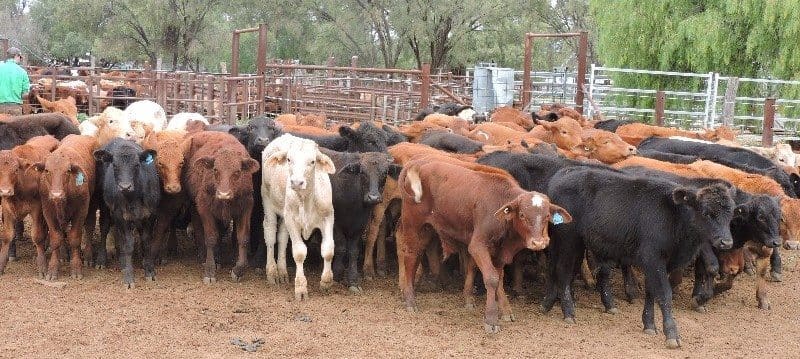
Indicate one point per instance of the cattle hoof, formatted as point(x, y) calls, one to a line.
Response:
point(381, 273)
point(411, 309)
point(235, 277)
point(569, 320)
point(791, 245)
point(150, 278)
point(258, 271)
point(697, 306)
point(613, 310)
point(764, 305)
point(650, 331)
point(88, 263)
point(750, 271)
point(469, 306)
point(369, 277)
point(209, 280)
point(99, 266)
point(51, 276)
point(355, 289)
point(544, 309)
point(76, 276)
point(130, 285)
point(491, 329)
point(41, 275)
point(300, 295)
point(673, 343)
point(776, 277)
point(12, 258)
point(509, 318)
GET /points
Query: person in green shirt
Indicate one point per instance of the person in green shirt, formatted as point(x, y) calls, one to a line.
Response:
point(14, 83)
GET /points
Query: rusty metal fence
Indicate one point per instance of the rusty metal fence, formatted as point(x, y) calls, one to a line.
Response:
point(343, 94)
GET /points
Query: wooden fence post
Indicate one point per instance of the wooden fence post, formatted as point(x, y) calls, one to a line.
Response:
point(729, 106)
point(769, 121)
point(526, 73)
point(425, 86)
point(583, 48)
point(659, 115)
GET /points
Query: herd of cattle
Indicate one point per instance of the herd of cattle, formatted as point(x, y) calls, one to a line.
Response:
point(608, 193)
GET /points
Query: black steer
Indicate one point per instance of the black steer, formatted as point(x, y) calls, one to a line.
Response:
point(131, 192)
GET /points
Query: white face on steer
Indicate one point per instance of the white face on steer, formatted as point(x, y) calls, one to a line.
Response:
point(467, 114)
point(301, 159)
point(537, 200)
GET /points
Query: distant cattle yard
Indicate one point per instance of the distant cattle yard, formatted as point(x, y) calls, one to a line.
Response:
point(354, 212)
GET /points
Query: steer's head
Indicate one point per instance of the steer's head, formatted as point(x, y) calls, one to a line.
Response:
point(302, 158)
point(710, 211)
point(606, 147)
point(257, 134)
point(762, 215)
point(229, 168)
point(566, 132)
point(171, 149)
point(529, 214)
point(371, 171)
point(366, 138)
point(61, 174)
point(11, 166)
point(125, 162)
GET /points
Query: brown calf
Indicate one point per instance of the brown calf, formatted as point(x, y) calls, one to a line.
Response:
point(19, 189)
point(494, 223)
point(219, 182)
point(565, 133)
point(65, 106)
point(65, 189)
point(603, 146)
point(508, 114)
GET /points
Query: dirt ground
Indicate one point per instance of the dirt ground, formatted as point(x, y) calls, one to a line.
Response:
point(178, 316)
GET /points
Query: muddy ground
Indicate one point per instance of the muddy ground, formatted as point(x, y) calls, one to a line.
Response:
point(178, 316)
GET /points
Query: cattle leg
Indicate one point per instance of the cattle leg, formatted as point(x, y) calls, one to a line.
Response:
point(762, 270)
point(56, 239)
point(152, 249)
point(353, 279)
point(88, 236)
point(243, 241)
point(775, 265)
point(327, 250)
point(38, 233)
point(19, 228)
point(408, 254)
point(506, 313)
point(124, 238)
point(491, 279)
point(270, 238)
point(702, 289)
point(631, 283)
point(7, 241)
point(371, 235)
point(340, 250)
point(657, 284)
point(211, 235)
point(299, 252)
point(435, 262)
point(469, 281)
point(586, 273)
point(283, 241)
point(604, 288)
point(103, 248)
point(75, 237)
point(518, 266)
point(161, 228)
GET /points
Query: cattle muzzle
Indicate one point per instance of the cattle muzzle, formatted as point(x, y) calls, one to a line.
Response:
point(224, 195)
point(538, 243)
point(632, 151)
point(774, 242)
point(57, 195)
point(723, 242)
point(6, 192)
point(125, 186)
point(298, 184)
point(261, 141)
point(172, 188)
point(372, 198)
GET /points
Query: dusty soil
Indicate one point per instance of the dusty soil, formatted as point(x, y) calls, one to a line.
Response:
point(179, 316)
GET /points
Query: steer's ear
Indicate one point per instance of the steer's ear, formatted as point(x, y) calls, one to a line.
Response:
point(559, 215)
point(353, 168)
point(325, 164)
point(207, 162)
point(684, 195)
point(102, 156)
point(507, 212)
point(345, 131)
point(277, 158)
point(250, 165)
point(394, 170)
point(186, 145)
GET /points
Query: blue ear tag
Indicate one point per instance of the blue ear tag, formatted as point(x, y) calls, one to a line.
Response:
point(79, 179)
point(557, 219)
point(149, 159)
